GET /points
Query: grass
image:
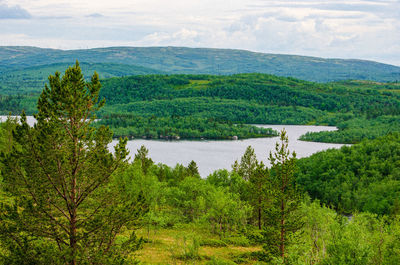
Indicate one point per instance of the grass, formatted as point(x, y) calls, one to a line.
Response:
point(183, 246)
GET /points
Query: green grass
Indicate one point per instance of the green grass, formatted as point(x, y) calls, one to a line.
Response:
point(175, 246)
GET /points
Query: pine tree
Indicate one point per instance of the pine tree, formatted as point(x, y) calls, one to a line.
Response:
point(281, 216)
point(145, 161)
point(248, 163)
point(258, 191)
point(192, 169)
point(60, 175)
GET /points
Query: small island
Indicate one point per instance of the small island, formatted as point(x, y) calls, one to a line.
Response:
point(177, 128)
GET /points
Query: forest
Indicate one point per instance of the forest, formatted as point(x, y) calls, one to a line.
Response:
point(175, 128)
point(65, 198)
point(359, 109)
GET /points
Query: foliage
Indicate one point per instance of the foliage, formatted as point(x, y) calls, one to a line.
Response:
point(257, 98)
point(363, 177)
point(248, 164)
point(27, 80)
point(209, 105)
point(171, 128)
point(59, 174)
point(142, 157)
point(355, 130)
point(282, 218)
point(207, 221)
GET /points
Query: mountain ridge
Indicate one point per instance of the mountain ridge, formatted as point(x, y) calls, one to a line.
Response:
point(186, 60)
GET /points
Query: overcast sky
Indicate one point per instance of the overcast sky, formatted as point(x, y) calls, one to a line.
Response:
point(362, 29)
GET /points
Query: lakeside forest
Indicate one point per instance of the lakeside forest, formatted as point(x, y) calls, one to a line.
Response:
point(218, 107)
point(66, 199)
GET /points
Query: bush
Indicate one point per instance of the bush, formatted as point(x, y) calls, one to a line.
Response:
point(254, 256)
point(186, 249)
point(254, 236)
point(237, 241)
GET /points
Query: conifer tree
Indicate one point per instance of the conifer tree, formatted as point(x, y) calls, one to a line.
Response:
point(60, 175)
point(248, 163)
point(258, 190)
point(142, 156)
point(192, 169)
point(282, 220)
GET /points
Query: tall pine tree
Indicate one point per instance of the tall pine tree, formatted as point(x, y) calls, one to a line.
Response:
point(59, 174)
point(282, 221)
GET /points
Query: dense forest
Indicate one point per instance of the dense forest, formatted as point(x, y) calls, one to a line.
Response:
point(66, 199)
point(175, 127)
point(31, 79)
point(364, 177)
point(359, 109)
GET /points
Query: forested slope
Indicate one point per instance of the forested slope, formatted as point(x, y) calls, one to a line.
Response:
point(360, 110)
point(363, 177)
point(204, 61)
point(32, 79)
point(65, 198)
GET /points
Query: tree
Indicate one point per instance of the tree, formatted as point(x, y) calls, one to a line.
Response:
point(192, 169)
point(145, 161)
point(258, 190)
point(60, 176)
point(248, 164)
point(285, 198)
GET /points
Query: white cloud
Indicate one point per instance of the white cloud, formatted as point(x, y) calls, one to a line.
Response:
point(13, 12)
point(341, 28)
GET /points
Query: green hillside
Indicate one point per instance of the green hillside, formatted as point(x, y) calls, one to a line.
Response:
point(359, 109)
point(32, 79)
point(210, 106)
point(205, 61)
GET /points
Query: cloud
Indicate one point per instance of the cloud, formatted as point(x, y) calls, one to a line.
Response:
point(95, 15)
point(13, 12)
point(364, 29)
point(54, 17)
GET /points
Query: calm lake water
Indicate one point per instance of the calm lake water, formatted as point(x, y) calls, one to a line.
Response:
point(213, 155)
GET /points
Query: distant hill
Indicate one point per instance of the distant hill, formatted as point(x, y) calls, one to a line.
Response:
point(205, 61)
point(32, 79)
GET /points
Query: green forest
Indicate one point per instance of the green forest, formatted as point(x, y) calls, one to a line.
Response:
point(65, 198)
point(175, 128)
point(360, 109)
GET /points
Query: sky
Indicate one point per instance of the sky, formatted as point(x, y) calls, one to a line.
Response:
point(360, 29)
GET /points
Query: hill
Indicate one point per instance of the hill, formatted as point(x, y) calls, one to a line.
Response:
point(205, 61)
point(359, 109)
point(32, 79)
point(210, 106)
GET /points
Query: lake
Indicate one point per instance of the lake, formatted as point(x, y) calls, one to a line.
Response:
point(213, 155)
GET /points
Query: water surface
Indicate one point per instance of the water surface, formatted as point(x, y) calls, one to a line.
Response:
point(212, 155)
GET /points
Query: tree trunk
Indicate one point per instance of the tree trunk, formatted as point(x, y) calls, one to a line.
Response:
point(282, 240)
point(259, 213)
point(72, 237)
